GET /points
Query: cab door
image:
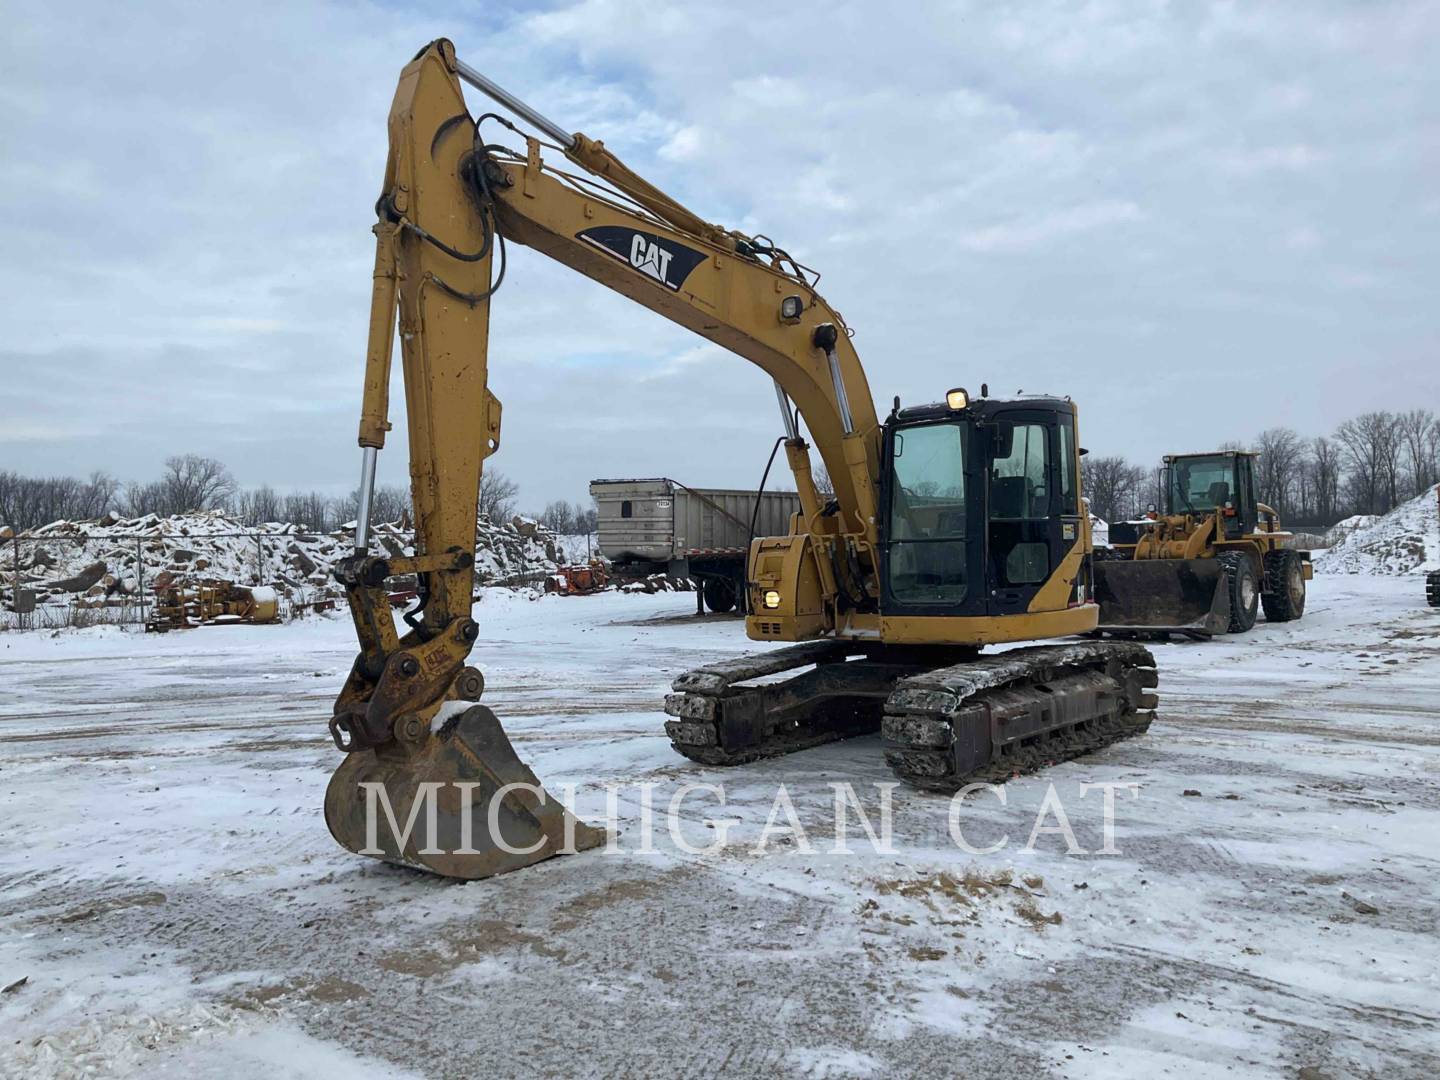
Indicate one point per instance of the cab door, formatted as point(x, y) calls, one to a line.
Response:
point(1031, 506)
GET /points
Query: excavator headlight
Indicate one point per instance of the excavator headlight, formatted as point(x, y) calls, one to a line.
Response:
point(957, 399)
point(771, 599)
point(790, 309)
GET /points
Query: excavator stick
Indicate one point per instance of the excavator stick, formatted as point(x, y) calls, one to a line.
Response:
point(1140, 597)
point(461, 803)
point(429, 778)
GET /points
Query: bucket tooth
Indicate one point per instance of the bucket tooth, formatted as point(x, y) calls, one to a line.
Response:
point(461, 804)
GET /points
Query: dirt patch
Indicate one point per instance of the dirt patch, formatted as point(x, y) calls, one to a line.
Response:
point(576, 911)
point(943, 893)
point(465, 947)
point(927, 952)
point(116, 903)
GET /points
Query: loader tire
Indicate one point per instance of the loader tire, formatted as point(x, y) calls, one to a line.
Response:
point(719, 594)
point(1240, 579)
point(1284, 595)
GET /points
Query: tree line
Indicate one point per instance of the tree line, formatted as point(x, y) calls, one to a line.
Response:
point(1368, 465)
point(192, 482)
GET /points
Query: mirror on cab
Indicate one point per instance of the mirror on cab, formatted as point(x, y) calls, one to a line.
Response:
point(1002, 439)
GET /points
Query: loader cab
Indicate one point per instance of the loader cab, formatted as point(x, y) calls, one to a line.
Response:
point(980, 504)
point(1201, 484)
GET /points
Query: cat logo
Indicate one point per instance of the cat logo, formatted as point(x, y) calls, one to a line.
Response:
point(649, 257)
point(657, 257)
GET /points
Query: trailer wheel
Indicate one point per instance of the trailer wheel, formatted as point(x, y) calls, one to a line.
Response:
point(1284, 595)
point(719, 594)
point(1240, 579)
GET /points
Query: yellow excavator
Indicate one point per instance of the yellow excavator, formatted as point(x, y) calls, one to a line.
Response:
point(952, 525)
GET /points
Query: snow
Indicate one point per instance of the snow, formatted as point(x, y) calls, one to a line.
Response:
point(295, 563)
point(170, 891)
point(1404, 541)
point(1099, 531)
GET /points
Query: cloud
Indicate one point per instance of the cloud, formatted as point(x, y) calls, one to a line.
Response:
point(1032, 234)
point(1293, 158)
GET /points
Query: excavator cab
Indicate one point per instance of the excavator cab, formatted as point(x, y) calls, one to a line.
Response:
point(980, 506)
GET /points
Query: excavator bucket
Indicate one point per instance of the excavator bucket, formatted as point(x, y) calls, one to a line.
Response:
point(1163, 596)
point(462, 804)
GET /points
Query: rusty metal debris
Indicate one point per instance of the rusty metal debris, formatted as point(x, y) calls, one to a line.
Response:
point(181, 605)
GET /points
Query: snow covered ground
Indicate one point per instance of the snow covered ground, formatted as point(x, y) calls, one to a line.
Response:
point(170, 894)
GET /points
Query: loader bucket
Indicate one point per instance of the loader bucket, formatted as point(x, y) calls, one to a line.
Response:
point(447, 807)
point(1163, 596)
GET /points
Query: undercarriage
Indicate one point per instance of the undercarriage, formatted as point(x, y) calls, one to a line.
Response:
point(947, 720)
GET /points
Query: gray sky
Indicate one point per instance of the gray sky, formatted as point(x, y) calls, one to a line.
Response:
point(1198, 220)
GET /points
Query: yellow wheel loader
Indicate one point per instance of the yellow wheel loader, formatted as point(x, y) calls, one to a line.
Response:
point(952, 526)
point(1206, 562)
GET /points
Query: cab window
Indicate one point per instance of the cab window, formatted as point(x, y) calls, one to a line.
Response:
point(1069, 504)
point(1018, 487)
point(927, 553)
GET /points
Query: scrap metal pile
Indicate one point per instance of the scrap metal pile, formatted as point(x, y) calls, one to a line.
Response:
point(113, 560)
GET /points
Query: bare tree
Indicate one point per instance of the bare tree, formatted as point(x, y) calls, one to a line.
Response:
point(1419, 436)
point(391, 503)
point(823, 484)
point(1323, 466)
point(498, 494)
point(191, 482)
point(307, 510)
point(586, 518)
point(27, 501)
point(388, 503)
point(1278, 467)
point(97, 495)
point(558, 517)
point(1371, 451)
point(10, 484)
point(258, 505)
point(137, 500)
point(1116, 489)
point(22, 504)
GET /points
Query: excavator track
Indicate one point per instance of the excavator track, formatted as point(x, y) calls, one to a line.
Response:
point(720, 721)
point(1015, 712)
point(946, 724)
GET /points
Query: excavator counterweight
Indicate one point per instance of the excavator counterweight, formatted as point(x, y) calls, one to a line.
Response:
point(951, 526)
